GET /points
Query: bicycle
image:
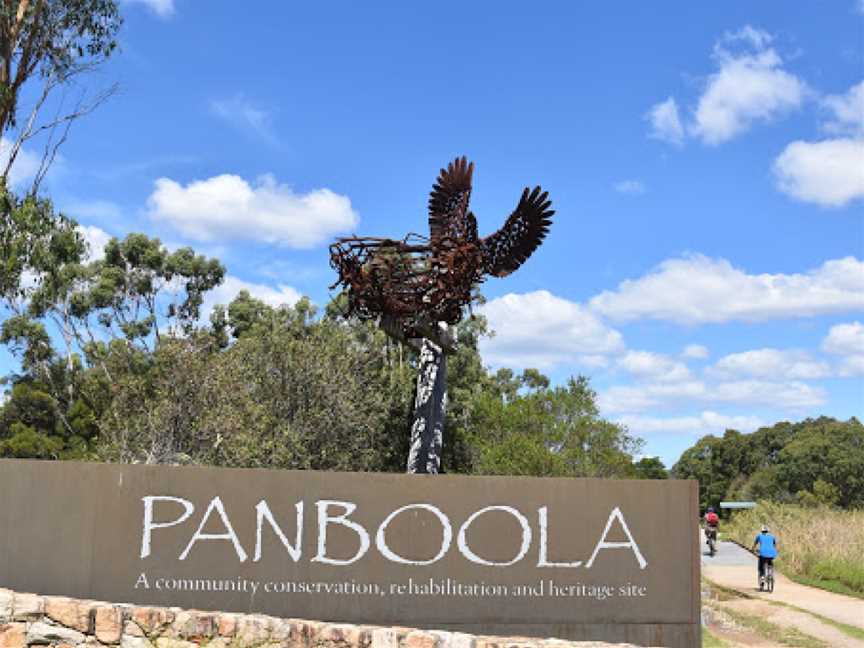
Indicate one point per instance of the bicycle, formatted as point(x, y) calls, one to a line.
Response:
point(766, 581)
point(767, 545)
point(712, 541)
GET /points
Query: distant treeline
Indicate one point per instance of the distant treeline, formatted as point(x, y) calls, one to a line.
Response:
point(816, 461)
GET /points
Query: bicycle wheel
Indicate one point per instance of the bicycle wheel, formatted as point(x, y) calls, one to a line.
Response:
point(770, 579)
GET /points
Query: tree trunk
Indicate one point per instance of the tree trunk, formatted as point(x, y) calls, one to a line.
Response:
point(427, 429)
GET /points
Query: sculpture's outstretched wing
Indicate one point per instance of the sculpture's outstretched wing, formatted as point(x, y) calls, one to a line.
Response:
point(525, 229)
point(448, 203)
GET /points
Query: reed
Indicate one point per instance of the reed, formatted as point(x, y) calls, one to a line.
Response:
point(818, 546)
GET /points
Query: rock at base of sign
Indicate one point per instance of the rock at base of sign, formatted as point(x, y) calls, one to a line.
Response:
point(41, 632)
point(55, 621)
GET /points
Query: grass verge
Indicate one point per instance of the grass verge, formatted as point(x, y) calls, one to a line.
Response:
point(835, 586)
point(710, 640)
point(786, 636)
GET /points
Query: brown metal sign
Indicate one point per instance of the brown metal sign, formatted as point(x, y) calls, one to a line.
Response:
point(569, 558)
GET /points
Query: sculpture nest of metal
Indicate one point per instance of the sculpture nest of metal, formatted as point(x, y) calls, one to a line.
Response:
point(404, 281)
point(410, 285)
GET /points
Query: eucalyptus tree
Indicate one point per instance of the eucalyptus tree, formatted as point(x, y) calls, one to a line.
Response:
point(50, 43)
point(81, 326)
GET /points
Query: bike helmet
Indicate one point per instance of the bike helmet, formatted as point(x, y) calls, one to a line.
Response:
point(764, 528)
point(710, 509)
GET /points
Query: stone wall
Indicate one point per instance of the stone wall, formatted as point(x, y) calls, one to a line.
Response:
point(33, 620)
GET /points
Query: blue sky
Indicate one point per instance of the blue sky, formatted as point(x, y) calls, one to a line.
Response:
point(706, 164)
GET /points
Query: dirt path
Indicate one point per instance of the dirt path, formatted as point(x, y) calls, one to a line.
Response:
point(735, 568)
point(788, 618)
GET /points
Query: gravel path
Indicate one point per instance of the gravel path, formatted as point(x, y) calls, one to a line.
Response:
point(735, 568)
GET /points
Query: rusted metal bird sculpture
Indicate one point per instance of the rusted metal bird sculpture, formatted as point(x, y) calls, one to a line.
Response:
point(415, 287)
point(410, 285)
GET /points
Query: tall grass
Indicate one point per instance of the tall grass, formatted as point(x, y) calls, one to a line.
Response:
point(819, 546)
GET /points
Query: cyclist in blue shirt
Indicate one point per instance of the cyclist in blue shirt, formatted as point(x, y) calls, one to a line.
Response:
point(767, 544)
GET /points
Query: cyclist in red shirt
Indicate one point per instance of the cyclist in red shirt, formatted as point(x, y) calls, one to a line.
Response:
point(712, 522)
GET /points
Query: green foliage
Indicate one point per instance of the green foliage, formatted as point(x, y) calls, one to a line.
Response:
point(31, 406)
point(824, 494)
point(24, 442)
point(33, 426)
point(290, 392)
point(547, 431)
point(127, 289)
point(245, 312)
point(650, 468)
point(282, 388)
point(81, 328)
point(816, 461)
point(827, 494)
point(34, 241)
point(54, 39)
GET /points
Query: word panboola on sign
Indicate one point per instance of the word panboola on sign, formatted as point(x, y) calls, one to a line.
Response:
point(338, 513)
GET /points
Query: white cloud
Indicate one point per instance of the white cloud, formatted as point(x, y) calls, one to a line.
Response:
point(707, 422)
point(243, 114)
point(666, 122)
point(637, 398)
point(782, 394)
point(593, 361)
point(829, 173)
point(750, 86)
point(654, 366)
point(541, 330)
point(225, 293)
point(847, 341)
point(851, 366)
point(632, 187)
point(96, 239)
point(695, 351)
point(162, 8)
point(793, 395)
point(226, 207)
point(698, 289)
point(771, 364)
point(847, 112)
